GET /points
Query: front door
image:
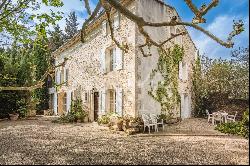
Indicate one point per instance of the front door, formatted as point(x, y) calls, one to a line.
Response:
point(96, 106)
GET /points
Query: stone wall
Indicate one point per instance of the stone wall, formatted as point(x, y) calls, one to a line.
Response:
point(85, 67)
point(157, 12)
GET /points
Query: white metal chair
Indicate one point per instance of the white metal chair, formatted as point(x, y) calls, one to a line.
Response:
point(209, 116)
point(232, 117)
point(147, 122)
point(217, 117)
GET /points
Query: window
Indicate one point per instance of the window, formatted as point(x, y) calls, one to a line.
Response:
point(86, 97)
point(115, 22)
point(184, 71)
point(112, 100)
point(49, 82)
point(110, 59)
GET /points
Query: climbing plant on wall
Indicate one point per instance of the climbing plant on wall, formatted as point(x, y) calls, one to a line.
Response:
point(166, 91)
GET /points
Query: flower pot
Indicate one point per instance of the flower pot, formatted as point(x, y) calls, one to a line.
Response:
point(14, 117)
point(31, 113)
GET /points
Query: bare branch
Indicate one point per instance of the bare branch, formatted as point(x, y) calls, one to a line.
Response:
point(86, 2)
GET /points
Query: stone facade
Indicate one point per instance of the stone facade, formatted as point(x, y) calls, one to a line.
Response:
point(124, 88)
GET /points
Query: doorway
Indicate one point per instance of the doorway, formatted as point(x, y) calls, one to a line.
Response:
point(96, 106)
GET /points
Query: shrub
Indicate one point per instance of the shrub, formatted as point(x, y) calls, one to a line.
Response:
point(237, 128)
point(77, 112)
point(104, 119)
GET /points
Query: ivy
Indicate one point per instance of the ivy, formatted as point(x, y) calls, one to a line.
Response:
point(166, 92)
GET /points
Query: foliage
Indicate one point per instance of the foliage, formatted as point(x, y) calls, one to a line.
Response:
point(219, 82)
point(77, 112)
point(71, 25)
point(105, 119)
point(18, 20)
point(57, 38)
point(166, 93)
point(17, 69)
point(239, 128)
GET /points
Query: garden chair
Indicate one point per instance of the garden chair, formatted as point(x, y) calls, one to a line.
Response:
point(209, 116)
point(232, 118)
point(155, 117)
point(217, 117)
point(147, 122)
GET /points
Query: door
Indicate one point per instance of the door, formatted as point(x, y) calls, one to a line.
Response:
point(185, 106)
point(96, 106)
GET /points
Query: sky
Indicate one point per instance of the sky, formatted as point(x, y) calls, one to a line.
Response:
point(219, 22)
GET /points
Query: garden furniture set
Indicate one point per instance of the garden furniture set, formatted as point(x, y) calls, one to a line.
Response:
point(151, 120)
point(221, 117)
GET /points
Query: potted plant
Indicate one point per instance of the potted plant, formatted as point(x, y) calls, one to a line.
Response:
point(14, 116)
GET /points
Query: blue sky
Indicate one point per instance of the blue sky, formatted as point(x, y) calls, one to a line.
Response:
point(219, 22)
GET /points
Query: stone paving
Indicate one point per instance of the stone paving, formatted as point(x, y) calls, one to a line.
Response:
point(43, 142)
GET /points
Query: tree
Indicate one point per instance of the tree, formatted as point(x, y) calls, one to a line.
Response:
point(17, 23)
point(107, 6)
point(71, 25)
point(56, 38)
point(219, 82)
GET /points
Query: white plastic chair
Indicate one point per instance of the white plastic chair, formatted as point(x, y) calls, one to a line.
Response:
point(147, 122)
point(153, 116)
point(232, 117)
point(154, 119)
point(217, 116)
point(209, 116)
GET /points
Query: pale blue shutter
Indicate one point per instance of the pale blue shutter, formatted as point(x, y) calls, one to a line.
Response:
point(55, 103)
point(119, 59)
point(68, 101)
point(58, 75)
point(102, 102)
point(119, 101)
point(102, 61)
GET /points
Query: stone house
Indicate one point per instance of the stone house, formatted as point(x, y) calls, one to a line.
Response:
point(107, 79)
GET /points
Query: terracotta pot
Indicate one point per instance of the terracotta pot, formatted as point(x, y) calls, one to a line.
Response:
point(31, 113)
point(14, 117)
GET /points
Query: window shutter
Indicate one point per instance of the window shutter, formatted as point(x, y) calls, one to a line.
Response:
point(104, 27)
point(64, 75)
point(180, 70)
point(119, 59)
point(102, 61)
point(102, 101)
point(67, 76)
point(55, 103)
point(68, 101)
point(58, 75)
point(117, 20)
point(119, 101)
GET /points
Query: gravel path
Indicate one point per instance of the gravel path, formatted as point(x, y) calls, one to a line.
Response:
point(42, 142)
